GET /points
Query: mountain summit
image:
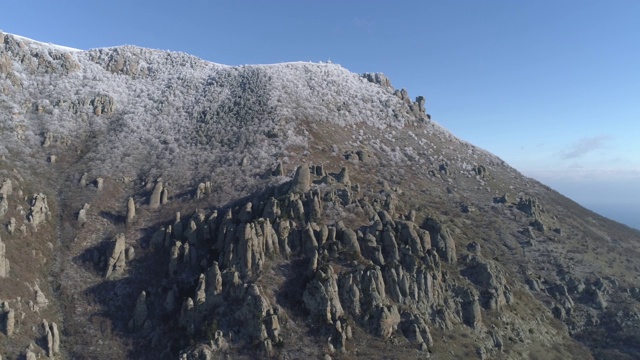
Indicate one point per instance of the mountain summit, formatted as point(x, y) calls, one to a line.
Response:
point(155, 205)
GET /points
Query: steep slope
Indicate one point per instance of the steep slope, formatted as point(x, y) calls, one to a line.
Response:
point(171, 207)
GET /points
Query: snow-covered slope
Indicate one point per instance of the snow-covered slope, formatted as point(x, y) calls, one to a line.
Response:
point(140, 110)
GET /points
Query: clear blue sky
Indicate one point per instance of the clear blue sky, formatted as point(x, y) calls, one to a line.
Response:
point(551, 86)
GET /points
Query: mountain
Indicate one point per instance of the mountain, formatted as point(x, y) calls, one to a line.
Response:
point(155, 205)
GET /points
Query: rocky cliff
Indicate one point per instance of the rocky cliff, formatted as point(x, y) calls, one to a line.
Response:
point(154, 205)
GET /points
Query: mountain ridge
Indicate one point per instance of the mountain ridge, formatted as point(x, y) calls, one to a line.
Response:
point(310, 201)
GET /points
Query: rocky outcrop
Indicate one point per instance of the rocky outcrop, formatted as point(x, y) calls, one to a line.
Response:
point(140, 313)
point(51, 338)
point(116, 261)
point(321, 296)
point(6, 188)
point(343, 177)
point(494, 292)
point(7, 319)
point(4, 206)
point(131, 211)
point(103, 105)
point(378, 78)
point(154, 200)
point(441, 239)
point(4, 262)
point(39, 211)
point(470, 308)
point(82, 214)
point(302, 180)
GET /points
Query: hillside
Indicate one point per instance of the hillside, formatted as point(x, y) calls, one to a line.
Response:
point(155, 205)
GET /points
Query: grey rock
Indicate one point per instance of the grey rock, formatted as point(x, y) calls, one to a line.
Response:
point(378, 78)
point(39, 211)
point(385, 321)
point(55, 346)
point(140, 313)
point(7, 319)
point(4, 262)
point(343, 177)
point(11, 226)
point(470, 308)
point(302, 180)
point(131, 211)
point(4, 206)
point(41, 299)
point(164, 197)
point(200, 191)
point(279, 170)
point(272, 210)
point(154, 200)
point(99, 183)
point(6, 188)
point(82, 214)
point(116, 257)
point(321, 296)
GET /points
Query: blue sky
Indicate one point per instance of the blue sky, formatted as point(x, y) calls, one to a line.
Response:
point(550, 86)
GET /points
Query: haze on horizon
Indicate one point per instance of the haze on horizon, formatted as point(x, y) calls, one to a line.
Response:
point(549, 87)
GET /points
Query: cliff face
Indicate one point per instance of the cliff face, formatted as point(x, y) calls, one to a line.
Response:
point(155, 205)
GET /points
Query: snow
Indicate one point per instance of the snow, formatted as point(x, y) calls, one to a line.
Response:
point(43, 45)
point(181, 117)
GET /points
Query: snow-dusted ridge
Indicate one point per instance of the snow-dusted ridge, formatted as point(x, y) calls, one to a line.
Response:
point(36, 43)
point(152, 112)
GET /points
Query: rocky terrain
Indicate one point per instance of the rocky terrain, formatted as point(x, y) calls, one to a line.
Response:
point(154, 205)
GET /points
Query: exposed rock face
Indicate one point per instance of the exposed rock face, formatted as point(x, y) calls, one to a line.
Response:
point(321, 296)
point(140, 313)
point(378, 78)
point(55, 346)
point(103, 105)
point(494, 291)
point(116, 257)
point(7, 319)
point(4, 262)
point(4, 206)
point(39, 212)
point(51, 338)
point(441, 239)
point(6, 188)
point(302, 180)
point(82, 214)
point(154, 200)
point(343, 177)
point(131, 211)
